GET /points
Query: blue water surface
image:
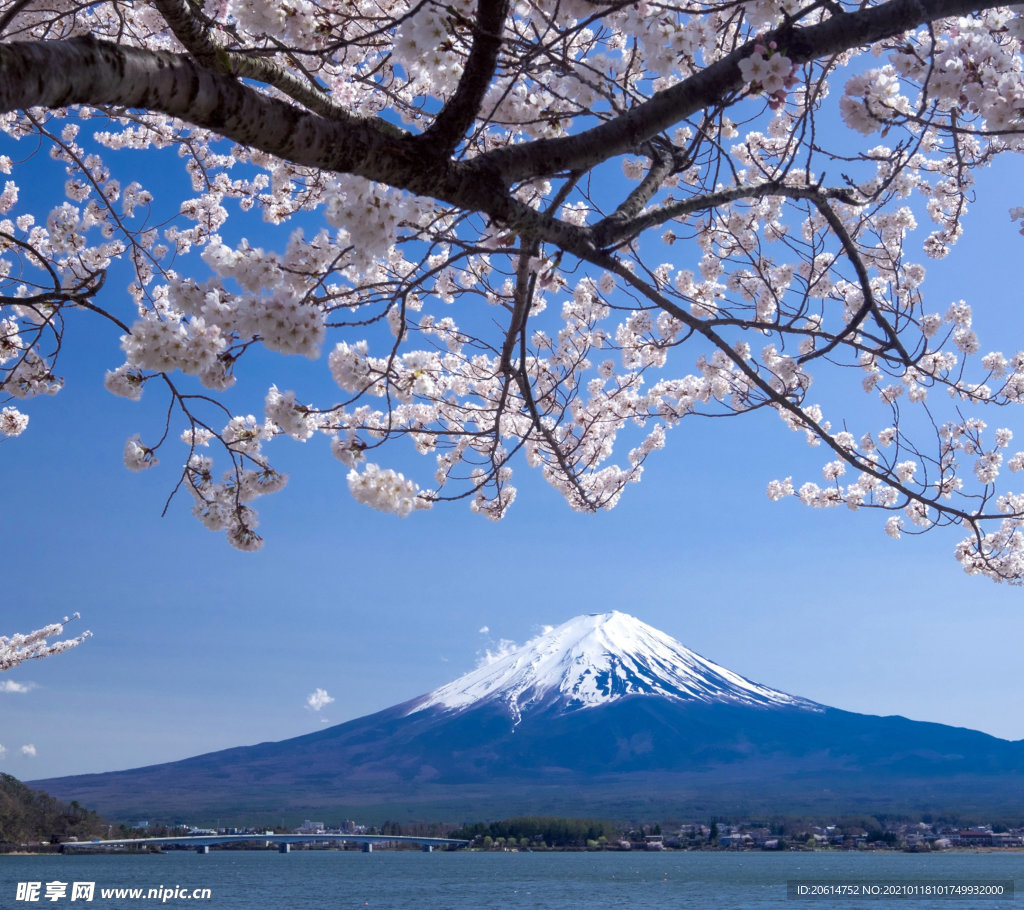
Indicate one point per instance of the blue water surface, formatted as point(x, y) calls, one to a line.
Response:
point(396, 880)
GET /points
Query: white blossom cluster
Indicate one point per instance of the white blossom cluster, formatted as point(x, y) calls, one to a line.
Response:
point(18, 648)
point(770, 71)
point(386, 490)
point(12, 421)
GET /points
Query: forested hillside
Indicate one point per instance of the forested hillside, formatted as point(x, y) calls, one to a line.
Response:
point(32, 816)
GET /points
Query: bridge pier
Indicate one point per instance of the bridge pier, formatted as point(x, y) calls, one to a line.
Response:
point(428, 848)
point(203, 849)
point(368, 847)
point(284, 848)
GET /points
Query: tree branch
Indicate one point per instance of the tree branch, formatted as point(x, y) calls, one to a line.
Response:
point(194, 36)
point(613, 234)
point(457, 116)
point(89, 71)
point(624, 133)
point(200, 43)
point(783, 402)
point(12, 11)
point(607, 231)
point(870, 305)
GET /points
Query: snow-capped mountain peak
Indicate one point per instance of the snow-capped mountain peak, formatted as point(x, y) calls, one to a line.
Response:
point(593, 660)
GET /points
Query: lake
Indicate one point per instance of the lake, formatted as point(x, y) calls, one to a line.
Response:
point(395, 880)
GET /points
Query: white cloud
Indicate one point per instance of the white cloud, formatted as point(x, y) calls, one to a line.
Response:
point(9, 685)
point(29, 750)
point(505, 646)
point(318, 699)
point(3, 749)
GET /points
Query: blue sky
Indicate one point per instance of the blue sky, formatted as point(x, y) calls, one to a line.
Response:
point(198, 647)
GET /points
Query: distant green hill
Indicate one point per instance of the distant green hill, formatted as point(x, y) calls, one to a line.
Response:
point(32, 816)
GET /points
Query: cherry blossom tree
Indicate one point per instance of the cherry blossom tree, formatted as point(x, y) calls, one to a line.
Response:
point(537, 233)
point(17, 649)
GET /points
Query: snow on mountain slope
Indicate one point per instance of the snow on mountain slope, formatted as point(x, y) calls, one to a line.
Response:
point(593, 660)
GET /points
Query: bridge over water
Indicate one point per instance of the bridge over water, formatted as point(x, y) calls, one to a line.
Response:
point(202, 842)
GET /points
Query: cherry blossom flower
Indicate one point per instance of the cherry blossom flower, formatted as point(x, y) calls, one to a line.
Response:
point(517, 236)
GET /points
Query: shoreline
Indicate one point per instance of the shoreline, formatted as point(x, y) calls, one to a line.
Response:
point(953, 851)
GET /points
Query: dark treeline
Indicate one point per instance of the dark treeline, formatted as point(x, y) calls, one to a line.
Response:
point(878, 823)
point(554, 832)
point(413, 829)
point(32, 816)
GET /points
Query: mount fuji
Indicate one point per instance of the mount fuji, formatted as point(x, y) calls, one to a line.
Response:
point(596, 660)
point(601, 715)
